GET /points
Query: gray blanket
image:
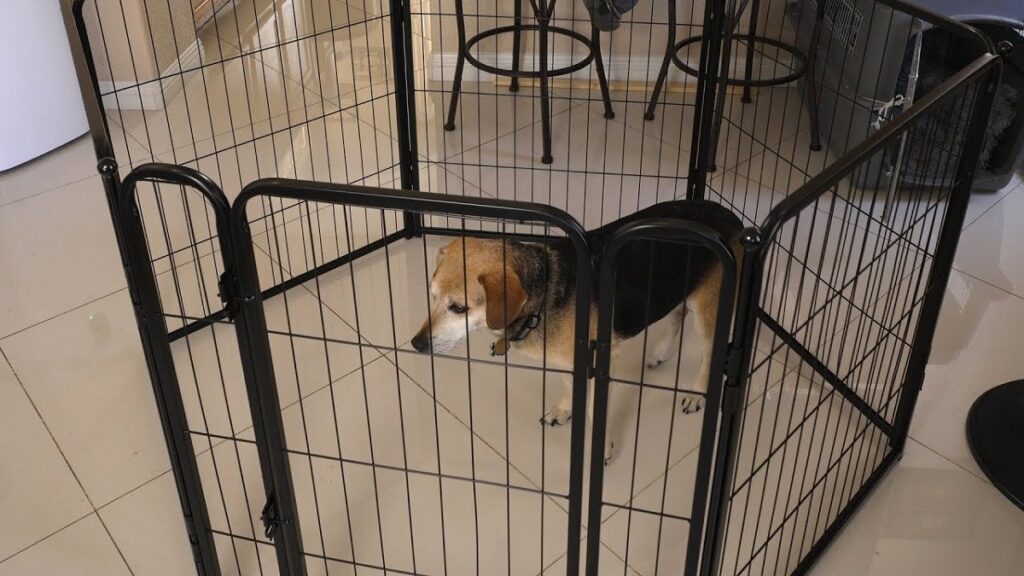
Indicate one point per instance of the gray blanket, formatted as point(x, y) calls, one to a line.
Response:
point(606, 14)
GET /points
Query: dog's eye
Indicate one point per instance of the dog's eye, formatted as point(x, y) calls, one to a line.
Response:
point(458, 309)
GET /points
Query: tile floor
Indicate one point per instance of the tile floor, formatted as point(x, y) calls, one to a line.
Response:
point(85, 488)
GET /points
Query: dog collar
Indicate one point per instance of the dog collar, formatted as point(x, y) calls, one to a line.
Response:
point(521, 327)
point(516, 332)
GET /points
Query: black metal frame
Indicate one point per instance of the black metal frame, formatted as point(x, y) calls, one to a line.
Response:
point(732, 361)
point(982, 75)
point(697, 237)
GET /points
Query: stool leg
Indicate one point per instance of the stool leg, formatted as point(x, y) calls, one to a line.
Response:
point(663, 72)
point(459, 63)
point(517, 34)
point(595, 39)
point(545, 104)
point(723, 85)
point(755, 7)
point(811, 86)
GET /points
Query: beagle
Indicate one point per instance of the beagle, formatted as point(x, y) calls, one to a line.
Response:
point(525, 293)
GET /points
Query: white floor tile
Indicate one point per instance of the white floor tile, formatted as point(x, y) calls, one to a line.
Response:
point(988, 246)
point(60, 252)
point(982, 201)
point(360, 408)
point(976, 347)
point(83, 548)
point(148, 528)
point(485, 112)
point(77, 161)
point(929, 517)
point(87, 375)
point(40, 495)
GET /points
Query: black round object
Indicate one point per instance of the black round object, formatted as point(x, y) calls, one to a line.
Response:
point(799, 69)
point(995, 433)
point(585, 61)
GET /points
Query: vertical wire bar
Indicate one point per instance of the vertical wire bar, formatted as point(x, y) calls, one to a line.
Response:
point(258, 368)
point(435, 402)
point(196, 256)
point(398, 386)
point(944, 253)
point(334, 411)
point(728, 443)
point(180, 301)
point(710, 51)
point(599, 442)
point(349, 239)
point(405, 106)
point(160, 362)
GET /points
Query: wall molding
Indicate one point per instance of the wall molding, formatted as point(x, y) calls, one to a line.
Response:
point(152, 94)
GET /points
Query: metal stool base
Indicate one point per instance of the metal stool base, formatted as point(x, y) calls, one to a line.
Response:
point(542, 13)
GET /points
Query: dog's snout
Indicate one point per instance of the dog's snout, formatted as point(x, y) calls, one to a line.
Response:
point(421, 341)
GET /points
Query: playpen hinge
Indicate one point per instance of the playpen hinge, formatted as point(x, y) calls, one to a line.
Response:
point(271, 517)
point(193, 539)
point(229, 293)
point(597, 347)
point(731, 390)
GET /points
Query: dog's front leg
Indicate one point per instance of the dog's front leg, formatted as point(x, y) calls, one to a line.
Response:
point(561, 412)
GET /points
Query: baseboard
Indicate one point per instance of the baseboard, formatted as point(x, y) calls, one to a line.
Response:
point(625, 72)
point(151, 95)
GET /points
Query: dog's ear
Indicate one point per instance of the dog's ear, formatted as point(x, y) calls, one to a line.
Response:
point(441, 253)
point(505, 297)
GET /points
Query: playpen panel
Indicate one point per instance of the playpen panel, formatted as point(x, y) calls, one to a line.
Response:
point(848, 277)
point(401, 460)
point(658, 396)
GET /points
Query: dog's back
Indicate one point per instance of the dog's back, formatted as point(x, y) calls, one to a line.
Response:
point(654, 278)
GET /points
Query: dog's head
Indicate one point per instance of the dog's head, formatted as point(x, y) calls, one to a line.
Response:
point(475, 284)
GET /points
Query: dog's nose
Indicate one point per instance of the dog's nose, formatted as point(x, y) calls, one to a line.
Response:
point(421, 342)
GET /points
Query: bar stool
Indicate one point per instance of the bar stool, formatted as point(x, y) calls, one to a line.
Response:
point(804, 65)
point(542, 13)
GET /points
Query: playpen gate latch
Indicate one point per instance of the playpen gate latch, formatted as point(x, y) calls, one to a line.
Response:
point(230, 295)
point(271, 518)
point(731, 387)
point(596, 348)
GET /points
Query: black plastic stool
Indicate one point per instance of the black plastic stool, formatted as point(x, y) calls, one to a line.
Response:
point(542, 13)
point(995, 433)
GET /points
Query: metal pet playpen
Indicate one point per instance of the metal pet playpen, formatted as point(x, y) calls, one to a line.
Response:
point(281, 174)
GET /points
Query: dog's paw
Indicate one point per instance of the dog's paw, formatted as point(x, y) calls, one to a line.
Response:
point(653, 361)
point(556, 416)
point(611, 452)
point(692, 403)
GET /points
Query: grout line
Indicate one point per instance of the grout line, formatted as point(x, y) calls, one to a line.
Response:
point(951, 461)
point(65, 458)
point(140, 486)
point(44, 159)
point(986, 282)
point(48, 190)
point(1001, 194)
point(59, 314)
point(44, 538)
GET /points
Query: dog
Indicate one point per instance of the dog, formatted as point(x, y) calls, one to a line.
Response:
point(525, 294)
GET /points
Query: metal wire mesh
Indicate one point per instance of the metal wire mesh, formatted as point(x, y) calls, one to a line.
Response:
point(397, 460)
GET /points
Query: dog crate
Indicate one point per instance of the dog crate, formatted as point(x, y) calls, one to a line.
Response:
point(911, 64)
point(283, 174)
